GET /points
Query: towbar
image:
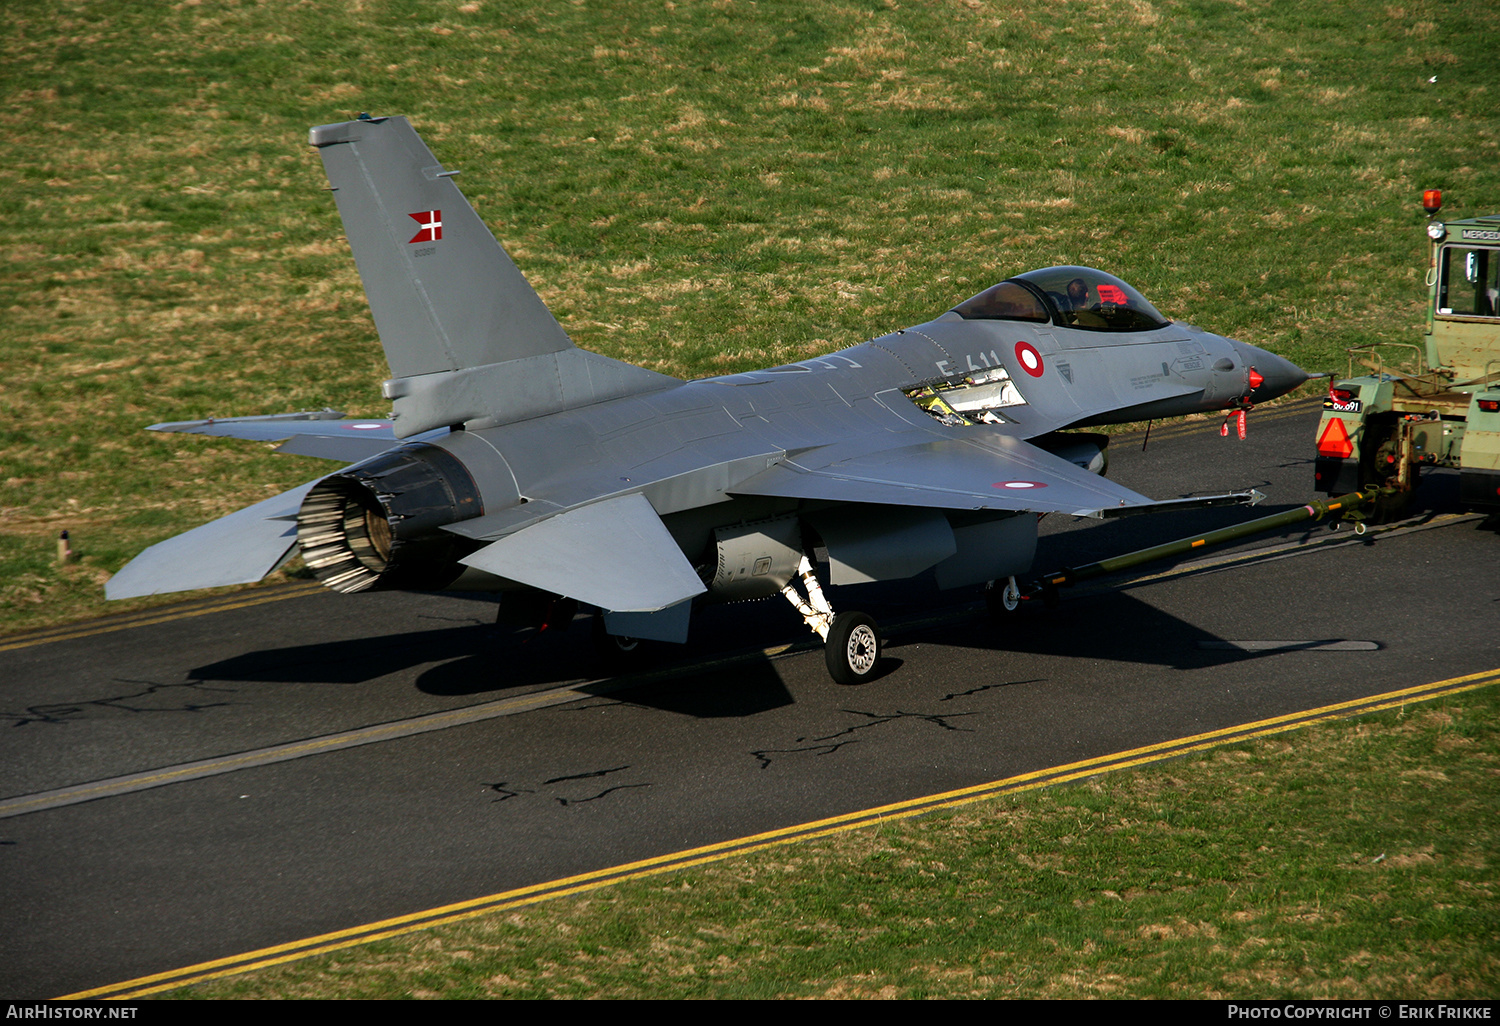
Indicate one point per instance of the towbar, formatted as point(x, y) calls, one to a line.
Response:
point(1048, 583)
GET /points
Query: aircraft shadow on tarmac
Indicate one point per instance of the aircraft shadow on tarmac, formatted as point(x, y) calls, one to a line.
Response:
point(712, 680)
point(484, 660)
point(350, 661)
point(1113, 626)
point(714, 677)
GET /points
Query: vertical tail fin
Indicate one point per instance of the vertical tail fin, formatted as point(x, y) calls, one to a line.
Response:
point(466, 337)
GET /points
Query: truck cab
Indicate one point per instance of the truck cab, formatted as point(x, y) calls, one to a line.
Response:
point(1379, 430)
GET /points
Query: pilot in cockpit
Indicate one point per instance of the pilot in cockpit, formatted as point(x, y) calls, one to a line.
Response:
point(1080, 313)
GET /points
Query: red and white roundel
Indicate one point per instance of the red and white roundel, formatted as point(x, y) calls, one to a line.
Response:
point(1019, 484)
point(1030, 359)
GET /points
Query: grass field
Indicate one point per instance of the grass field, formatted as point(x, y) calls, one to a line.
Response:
point(1354, 860)
point(703, 187)
point(698, 187)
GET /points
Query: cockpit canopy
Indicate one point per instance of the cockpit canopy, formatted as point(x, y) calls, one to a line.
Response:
point(1069, 297)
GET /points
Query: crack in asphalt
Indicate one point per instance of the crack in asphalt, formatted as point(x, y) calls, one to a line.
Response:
point(585, 776)
point(987, 687)
point(506, 790)
point(601, 794)
point(502, 789)
point(764, 754)
point(71, 712)
point(829, 743)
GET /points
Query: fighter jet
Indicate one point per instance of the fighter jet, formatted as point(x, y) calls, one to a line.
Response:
point(515, 462)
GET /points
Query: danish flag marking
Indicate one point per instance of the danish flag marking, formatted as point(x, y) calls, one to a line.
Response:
point(432, 226)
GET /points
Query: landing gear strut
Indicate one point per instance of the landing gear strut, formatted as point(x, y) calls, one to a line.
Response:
point(851, 641)
point(1002, 597)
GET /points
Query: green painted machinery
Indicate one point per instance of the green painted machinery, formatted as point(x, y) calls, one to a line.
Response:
point(1379, 430)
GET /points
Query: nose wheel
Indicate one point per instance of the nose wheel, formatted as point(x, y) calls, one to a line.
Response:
point(1002, 597)
point(851, 641)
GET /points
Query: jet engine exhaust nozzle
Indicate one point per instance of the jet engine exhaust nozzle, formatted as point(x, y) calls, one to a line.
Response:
point(379, 524)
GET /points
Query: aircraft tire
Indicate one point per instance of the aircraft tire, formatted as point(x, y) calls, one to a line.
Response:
point(1002, 598)
point(618, 653)
point(853, 648)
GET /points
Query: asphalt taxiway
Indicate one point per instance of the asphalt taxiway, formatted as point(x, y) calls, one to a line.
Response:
point(198, 781)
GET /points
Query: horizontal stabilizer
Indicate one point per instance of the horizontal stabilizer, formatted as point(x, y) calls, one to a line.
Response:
point(325, 434)
point(614, 554)
point(989, 472)
point(275, 426)
point(236, 549)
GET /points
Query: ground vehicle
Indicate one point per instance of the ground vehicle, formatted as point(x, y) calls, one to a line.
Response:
point(1379, 430)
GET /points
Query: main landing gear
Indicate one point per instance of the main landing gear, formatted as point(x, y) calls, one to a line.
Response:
point(851, 641)
point(616, 652)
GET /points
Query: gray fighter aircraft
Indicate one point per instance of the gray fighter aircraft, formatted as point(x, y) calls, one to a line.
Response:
point(516, 462)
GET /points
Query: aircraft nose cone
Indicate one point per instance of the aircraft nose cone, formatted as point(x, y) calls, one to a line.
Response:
point(1278, 376)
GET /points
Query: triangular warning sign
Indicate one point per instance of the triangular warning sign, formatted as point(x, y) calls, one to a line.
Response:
point(1334, 441)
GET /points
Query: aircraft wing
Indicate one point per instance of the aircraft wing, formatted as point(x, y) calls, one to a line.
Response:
point(989, 471)
point(325, 434)
point(614, 554)
point(236, 549)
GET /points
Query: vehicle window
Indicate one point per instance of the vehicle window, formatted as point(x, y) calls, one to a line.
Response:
point(1469, 282)
point(1004, 302)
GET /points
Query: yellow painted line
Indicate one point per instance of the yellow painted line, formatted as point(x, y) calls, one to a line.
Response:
point(583, 882)
point(146, 618)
